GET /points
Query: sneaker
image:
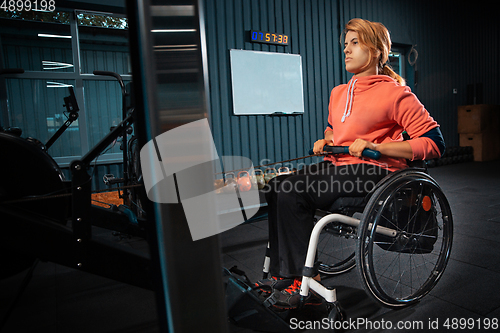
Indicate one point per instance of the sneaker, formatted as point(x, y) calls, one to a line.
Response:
point(289, 298)
point(273, 284)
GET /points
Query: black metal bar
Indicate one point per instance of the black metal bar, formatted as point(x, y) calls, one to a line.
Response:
point(113, 74)
point(124, 115)
point(116, 221)
point(60, 131)
point(72, 107)
point(138, 16)
point(108, 139)
point(81, 203)
point(187, 305)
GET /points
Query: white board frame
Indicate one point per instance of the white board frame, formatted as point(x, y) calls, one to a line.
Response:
point(266, 83)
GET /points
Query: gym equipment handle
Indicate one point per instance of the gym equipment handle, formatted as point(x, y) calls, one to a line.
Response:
point(113, 74)
point(373, 154)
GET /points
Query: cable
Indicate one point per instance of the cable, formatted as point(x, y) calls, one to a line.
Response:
point(415, 52)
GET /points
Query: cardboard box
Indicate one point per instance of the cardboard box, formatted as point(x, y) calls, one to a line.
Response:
point(478, 118)
point(486, 145)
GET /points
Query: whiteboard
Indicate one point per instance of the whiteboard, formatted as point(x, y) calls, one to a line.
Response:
point(266, 83)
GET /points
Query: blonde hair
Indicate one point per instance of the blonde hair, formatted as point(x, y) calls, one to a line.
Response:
point(375, 37)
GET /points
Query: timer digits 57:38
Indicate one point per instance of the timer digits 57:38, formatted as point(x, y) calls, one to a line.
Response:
point(268, 37)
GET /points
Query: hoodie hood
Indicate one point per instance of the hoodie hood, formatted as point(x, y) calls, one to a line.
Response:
point(360, 84)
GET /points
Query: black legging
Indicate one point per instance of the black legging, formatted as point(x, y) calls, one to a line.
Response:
point(293, 199)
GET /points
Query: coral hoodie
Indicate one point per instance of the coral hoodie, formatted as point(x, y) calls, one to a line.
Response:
point(377, 109)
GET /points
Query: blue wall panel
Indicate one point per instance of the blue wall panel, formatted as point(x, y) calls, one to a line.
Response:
point(457, 45)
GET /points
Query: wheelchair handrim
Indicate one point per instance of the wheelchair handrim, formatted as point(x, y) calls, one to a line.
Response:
point(366, 266)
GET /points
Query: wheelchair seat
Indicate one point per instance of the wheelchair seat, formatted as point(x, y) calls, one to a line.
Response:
point(351, 205)
point(348, 205)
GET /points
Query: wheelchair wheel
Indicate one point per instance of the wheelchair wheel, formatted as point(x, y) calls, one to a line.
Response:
point(336, 249)
point(398, 270)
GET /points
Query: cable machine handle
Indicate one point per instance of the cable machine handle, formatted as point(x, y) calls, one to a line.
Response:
point(332, 150)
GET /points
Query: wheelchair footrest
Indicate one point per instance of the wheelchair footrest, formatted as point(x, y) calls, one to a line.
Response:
point(247, 310)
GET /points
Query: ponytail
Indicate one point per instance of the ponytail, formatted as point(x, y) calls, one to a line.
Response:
point(385, 69)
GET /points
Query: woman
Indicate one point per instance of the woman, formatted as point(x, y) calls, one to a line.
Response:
point(371, 111)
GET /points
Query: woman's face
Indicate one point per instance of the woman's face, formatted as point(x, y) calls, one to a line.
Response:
point(357, 59)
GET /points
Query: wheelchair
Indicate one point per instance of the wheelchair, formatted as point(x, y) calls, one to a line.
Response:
point(399, 237)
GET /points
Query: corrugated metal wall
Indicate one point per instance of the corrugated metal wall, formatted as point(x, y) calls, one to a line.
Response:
point(313, 34)
point(103, 102)
point(457, 44)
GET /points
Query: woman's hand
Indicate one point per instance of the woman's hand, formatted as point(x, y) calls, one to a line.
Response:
point(357, 147)
point(318, 145)
point(401, 149)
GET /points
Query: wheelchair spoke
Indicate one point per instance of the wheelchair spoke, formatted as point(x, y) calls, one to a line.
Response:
point(394, 225)
point(388, 266)
point(336, 249)
point(412, 269)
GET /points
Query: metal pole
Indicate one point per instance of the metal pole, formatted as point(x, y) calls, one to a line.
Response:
point(188, 273)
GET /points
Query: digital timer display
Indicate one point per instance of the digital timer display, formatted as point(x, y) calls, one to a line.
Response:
point(268, 37)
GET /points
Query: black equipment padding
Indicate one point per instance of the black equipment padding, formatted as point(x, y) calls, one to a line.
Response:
point(245, 309)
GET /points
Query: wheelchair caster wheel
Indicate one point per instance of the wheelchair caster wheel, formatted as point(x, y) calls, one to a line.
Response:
point(336, 313)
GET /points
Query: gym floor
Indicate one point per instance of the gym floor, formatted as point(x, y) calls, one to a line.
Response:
point(60, 299)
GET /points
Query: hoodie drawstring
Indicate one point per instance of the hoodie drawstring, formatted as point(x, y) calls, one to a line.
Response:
point(347, 112)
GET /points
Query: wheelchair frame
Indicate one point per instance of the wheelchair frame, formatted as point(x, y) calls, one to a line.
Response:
point(404, 190)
